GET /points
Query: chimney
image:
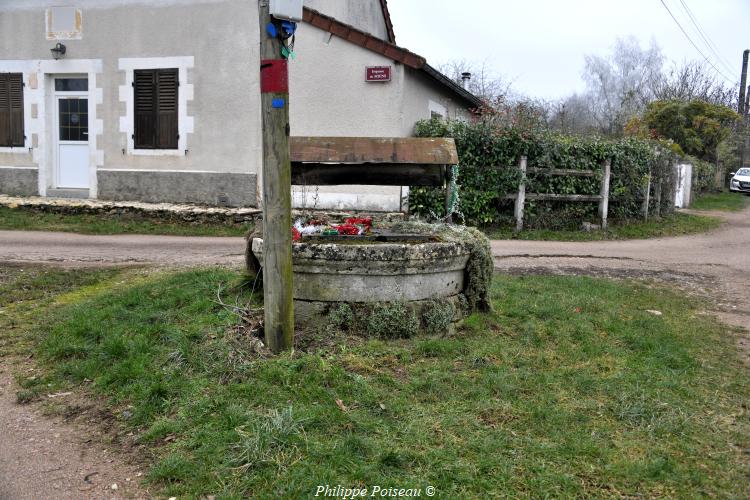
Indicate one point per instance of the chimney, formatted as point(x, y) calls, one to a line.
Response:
point(465, 79)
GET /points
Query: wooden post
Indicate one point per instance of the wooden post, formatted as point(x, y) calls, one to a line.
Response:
point(604, 201)
point(647, 198)
point(521, 198)
point(658, 198)
point(277, 191)
point(743, 81)
point(448, 193)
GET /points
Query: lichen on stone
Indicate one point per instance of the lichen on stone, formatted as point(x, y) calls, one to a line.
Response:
point(479, 268)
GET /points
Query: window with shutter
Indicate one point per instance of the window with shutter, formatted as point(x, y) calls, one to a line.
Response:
point(155, 103)
point(11, 110)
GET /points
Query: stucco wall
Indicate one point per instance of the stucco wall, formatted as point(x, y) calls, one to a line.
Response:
point(366, 15)
point(329, 94)
point(219, 35)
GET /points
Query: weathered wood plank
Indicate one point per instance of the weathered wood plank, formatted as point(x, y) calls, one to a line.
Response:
point(323, 174)
point(521, 196)
point(554, 171)
point(604, 198)
point(354, 150)
point(563, 197)
point(554, 197)
point(563, 172)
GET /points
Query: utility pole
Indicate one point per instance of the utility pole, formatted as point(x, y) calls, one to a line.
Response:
point(743, 82)
point(277, 190)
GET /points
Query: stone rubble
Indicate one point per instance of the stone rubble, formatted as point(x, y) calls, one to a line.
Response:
point(163, 211)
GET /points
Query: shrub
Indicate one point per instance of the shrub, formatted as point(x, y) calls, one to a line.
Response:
point(489, 155)
point(438, 316)
point(340, 318)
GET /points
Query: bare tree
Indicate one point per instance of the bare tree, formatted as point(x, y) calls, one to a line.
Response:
point(620, 85)
point(484, 83)
point(573, 115)
point(694, 80)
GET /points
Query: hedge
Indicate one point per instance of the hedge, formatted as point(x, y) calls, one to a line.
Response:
point(704, 176)
point(482, 146)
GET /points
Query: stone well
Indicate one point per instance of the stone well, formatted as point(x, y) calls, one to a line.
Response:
point(326, 274)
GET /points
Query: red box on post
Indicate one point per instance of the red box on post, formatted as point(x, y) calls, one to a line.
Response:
point(274, 76)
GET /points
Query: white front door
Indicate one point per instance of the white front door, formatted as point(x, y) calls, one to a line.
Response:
point(72, 140)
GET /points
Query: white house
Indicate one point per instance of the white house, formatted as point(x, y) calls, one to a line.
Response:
point(159, 100)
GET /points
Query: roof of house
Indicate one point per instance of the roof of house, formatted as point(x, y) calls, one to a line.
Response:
point(386, 48)
point(388, 22)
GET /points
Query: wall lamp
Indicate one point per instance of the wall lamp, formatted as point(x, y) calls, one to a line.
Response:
point(58, 51)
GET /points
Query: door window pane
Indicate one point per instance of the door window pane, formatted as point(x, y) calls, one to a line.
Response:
point(74, 119)
point(71, 84)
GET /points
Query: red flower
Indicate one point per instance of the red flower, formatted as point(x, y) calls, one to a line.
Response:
point(360, 221)
point(296, 235)
point(348, 230)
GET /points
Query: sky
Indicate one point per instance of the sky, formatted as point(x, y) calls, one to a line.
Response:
point(540, 44)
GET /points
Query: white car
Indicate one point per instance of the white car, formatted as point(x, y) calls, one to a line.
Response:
point(740, 182)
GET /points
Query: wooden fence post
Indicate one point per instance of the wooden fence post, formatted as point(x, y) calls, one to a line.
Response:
point(647, 198)
point(604, 201)
point(448, 193)
point(658, 198)
point(521, 198)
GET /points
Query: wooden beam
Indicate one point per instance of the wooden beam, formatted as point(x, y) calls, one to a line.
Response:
point(563, 197)
point(554, 197)
point(357, 150)
point(325, 174)
point(562, 172)
point(277, 199)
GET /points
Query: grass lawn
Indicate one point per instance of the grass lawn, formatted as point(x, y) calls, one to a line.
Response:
point(726, 201)
point(673, 225)
point(29, 220)
point(570, 388)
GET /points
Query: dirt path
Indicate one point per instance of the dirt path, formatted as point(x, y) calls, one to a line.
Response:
point(47, 457)
point(77, 250)
point(714, 265)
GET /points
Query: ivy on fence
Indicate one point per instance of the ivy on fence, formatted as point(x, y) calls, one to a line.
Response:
point(489, 156)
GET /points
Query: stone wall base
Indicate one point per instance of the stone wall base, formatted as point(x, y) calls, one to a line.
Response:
point(316, 314)
point(207, 188)
point(19, 181)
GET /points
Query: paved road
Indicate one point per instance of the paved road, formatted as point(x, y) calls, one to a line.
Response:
point(76, 250)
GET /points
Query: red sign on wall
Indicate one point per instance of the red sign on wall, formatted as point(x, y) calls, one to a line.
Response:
point(378, 74)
